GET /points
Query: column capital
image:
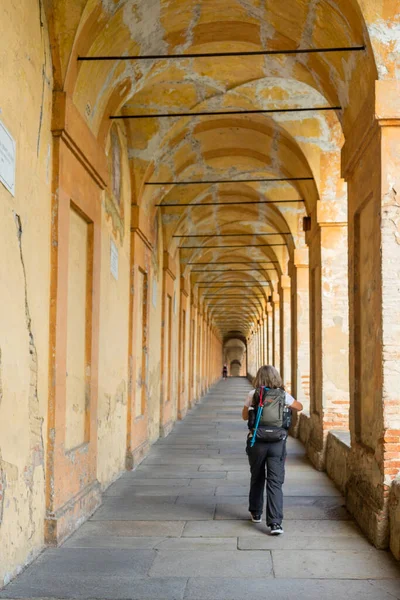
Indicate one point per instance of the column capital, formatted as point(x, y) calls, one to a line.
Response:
point(285, 282)
point(326, 217)
point(300, 258)
point(275, 298)
point(168, 265)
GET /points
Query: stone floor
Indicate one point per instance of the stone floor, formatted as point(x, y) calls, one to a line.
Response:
point(177, 528)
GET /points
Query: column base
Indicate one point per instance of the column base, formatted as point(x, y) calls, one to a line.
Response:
point(64, 521)
point(166, 429)
point(182, 413)
point(134, 457)
point(372, 520)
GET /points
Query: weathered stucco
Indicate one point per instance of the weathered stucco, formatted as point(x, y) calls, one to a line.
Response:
point(301, 271)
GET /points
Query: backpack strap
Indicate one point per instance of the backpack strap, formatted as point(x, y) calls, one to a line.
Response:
point(259, 413)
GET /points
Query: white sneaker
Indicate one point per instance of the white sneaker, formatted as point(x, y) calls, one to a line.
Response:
point(276, 529)
point(256, 518)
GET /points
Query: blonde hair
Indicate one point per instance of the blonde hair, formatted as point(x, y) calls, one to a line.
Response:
point(268, 376)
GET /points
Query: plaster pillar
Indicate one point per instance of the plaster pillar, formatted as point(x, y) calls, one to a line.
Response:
point(270, 330)
point(183, 337)
point(265, 339)
point(301, 329)
point(167, 347)
point(371, 166)
point(329, 338)
point(276, 357)
point(286, 366)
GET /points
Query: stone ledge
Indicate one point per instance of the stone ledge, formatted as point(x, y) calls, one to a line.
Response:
point(394, 518)
point(337, 454)
point(343, 437)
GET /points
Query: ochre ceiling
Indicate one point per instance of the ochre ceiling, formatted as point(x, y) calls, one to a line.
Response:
point(279, 145)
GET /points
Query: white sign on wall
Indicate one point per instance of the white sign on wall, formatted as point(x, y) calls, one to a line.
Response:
point(7, 159)
point(114, 260)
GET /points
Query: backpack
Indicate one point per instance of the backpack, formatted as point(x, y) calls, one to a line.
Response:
point(273, 401)
point(275, 416)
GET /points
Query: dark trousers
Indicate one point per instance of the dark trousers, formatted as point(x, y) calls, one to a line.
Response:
point(267, 464)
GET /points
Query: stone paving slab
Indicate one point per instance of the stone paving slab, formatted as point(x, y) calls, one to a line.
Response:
point(107, 588)
point(189, 544)
point(125, 484)
point(199, 483)
point(225, 488)
point(338, 564)
point(129, 511)
point(175, 472)
point(177, 527)
point(209, 563)
point(153, 490)
point(185, 460)
point(288, 541)
point(232, 511)
point(248, 529)
point(206, 588)
point(77, 573)
point(132, 528)
point(112, 542)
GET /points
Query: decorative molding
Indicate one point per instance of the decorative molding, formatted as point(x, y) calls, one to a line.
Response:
point(68, 124)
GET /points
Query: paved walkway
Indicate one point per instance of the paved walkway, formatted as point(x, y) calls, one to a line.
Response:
point(178, 528)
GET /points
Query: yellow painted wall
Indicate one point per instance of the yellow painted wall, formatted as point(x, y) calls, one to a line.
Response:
point(114, 329)
point(25, 109)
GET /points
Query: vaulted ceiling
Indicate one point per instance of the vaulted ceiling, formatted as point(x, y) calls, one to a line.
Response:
point(213, 222)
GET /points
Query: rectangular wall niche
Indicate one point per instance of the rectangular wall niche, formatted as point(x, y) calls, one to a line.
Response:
point(78, 330)
point(167, 353)
point(367, 325)
point(140, 337)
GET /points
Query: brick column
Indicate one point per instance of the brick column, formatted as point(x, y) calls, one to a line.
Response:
point(286, 366)
point(371, 166)
point(329, 339)
point(265, 340)
point(301, 329)
point(270, 331)
point(276, 357)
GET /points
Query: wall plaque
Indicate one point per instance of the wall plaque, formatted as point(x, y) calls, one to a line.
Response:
point(7, 159)
point(114, 260)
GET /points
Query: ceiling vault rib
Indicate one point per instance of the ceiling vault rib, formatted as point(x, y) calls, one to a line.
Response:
point(224, 54)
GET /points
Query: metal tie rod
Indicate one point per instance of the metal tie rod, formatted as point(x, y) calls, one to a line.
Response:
point(200, 235)
point(194, 205)
point(230, 270)
point(247, 180)
point(216, 113)
point(241, 246)
point(224, 54)
point(231, 281)
point(247, 262)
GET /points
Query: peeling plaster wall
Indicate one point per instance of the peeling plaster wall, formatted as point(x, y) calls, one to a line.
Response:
point(25, 109)
point(114, 330)
point(155, 318)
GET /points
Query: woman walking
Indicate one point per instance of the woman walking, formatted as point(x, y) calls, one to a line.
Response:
point(266, 410)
